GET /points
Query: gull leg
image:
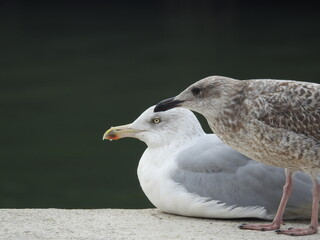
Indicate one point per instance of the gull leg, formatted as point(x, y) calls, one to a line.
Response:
point(313, 227)
point(277, 221)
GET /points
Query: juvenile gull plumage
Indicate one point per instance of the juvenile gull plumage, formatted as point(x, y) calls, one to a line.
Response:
point(276, 122)
point(187, 172)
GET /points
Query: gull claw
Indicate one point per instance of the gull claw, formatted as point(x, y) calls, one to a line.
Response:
point(242, 225)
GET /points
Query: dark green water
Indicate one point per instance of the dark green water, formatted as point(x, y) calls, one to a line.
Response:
point(70, 71)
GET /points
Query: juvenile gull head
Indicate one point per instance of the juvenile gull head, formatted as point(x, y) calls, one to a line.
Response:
point(187, 172)
point(205, 96)
point(276, 122)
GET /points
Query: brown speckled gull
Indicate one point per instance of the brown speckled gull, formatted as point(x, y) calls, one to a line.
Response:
point(276, 122)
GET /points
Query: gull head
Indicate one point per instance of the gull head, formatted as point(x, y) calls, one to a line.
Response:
point(205, 96)
point(159, 128)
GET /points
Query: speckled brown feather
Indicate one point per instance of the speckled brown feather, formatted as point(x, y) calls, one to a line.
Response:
point(292, 106)
point(276, 122)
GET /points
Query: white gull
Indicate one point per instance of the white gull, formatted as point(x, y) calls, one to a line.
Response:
point(187, 172)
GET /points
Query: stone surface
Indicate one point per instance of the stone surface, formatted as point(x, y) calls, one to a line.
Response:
point(114, 224)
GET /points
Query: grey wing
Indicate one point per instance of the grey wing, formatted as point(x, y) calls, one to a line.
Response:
point(296, 108)
point(211, 169)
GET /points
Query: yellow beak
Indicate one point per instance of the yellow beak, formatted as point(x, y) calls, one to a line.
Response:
point(118, 132)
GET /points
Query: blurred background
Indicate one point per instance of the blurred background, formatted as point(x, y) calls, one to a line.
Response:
point(71, 69)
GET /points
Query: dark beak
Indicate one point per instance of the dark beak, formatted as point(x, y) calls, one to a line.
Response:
point(167, 104)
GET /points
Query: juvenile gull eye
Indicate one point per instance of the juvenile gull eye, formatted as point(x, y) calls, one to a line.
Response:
point(195, 91)
point(156, 120)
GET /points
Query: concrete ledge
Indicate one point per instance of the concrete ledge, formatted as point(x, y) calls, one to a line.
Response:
point(113, 224)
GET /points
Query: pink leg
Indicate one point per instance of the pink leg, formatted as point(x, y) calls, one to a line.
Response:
point(313, 227)
point(277, 221)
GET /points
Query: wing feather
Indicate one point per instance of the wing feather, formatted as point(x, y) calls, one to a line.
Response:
point(211, 169)
point(294, 106)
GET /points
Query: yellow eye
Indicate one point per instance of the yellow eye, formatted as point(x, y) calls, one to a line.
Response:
point(156, 120)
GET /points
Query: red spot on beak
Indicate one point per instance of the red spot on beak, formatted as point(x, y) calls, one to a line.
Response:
point(113, 137)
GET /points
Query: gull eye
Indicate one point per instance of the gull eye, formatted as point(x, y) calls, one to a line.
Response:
point(156, 120)
point(195, 91)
